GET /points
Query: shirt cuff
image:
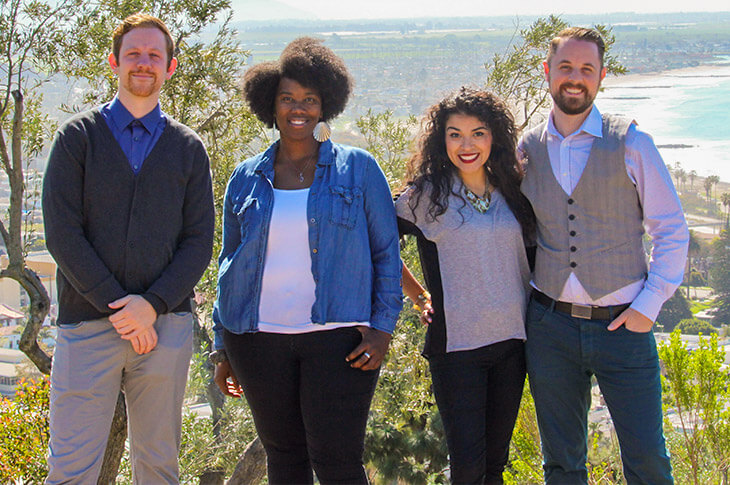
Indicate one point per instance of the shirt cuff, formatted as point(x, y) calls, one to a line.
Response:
point(648, 304)
point(157, 303)
point(105, 293)
point(384, 321)
point(218, 339)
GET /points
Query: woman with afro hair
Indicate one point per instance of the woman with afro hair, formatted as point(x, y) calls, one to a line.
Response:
point(463, 204)
point(309, 280)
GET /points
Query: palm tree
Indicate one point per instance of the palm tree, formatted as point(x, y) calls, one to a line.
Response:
point(725, 198)
point(694, 246)
point(692, 175)
point(707, 184)
point(714, 179)
point(679, 174)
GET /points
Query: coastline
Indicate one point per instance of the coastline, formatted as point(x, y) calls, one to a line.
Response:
point(677, 108)
point(641, 79)
point(650, 87)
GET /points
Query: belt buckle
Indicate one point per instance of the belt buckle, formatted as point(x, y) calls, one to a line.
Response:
point(581, 311)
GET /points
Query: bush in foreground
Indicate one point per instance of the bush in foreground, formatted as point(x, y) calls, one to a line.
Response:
point(24, 433)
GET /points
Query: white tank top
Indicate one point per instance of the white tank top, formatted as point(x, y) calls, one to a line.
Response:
point(287, 287)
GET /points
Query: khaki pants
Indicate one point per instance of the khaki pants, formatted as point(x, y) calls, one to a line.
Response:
point(90, 365)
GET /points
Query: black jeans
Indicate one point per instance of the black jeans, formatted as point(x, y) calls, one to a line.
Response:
point(478, 394)
point(309, 406)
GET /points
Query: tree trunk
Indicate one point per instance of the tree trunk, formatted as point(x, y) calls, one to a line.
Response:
point(115, 444)
point(12, 236)
point(251, 468)
point(204, 345)
point(38, 309)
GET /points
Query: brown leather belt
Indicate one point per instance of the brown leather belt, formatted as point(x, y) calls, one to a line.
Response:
point(586, 312)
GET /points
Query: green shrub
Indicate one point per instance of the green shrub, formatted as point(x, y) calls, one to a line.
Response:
point(697, 392)
point(696, 279)
point(695, 326)
point(24, 433)
point(673, 311)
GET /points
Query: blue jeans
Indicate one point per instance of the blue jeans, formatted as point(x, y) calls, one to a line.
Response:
point(478, 393)
point(563, 353)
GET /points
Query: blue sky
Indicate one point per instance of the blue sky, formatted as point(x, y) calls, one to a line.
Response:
point(352, 9)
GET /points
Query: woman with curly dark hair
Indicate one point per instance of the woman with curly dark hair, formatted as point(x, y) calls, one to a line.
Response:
point(309, 279)
point(463, 204)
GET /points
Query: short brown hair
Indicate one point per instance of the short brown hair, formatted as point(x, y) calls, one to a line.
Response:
point(137, 20)
point(578, 33)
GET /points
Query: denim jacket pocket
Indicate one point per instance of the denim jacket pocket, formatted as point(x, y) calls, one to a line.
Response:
point(346, 204)
point(245, 214)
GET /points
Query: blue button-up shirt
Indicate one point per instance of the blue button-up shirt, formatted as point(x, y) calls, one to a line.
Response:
point(136, 137)
point(353, 242)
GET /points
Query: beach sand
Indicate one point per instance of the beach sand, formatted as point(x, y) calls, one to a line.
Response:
point(643, 79)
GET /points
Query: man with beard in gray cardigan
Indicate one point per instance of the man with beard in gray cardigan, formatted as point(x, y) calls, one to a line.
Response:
point(129, 219)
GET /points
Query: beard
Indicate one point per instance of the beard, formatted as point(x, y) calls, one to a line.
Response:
point(571, 105)
point(142, 88)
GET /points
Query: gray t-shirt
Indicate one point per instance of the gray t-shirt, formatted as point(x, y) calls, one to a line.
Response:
point(483, 269)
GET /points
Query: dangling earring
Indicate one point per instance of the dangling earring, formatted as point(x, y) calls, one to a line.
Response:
point(322, 131)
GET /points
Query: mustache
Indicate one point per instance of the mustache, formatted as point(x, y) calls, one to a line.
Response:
point(573, 85)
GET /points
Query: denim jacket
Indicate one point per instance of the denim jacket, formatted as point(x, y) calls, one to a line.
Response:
point(353, 242)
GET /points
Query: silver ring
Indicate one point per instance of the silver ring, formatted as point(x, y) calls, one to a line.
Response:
point(366, 355)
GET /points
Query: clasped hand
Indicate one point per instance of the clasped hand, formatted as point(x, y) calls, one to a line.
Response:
point(134, 321)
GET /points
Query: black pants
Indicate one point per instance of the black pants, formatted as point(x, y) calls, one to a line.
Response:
point(309, 406)
point(478, 394)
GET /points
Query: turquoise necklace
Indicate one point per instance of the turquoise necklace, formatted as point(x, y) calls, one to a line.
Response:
point(480, 204)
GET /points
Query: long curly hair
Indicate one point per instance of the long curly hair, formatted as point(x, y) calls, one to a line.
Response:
point(307, 61)
point(430, 164)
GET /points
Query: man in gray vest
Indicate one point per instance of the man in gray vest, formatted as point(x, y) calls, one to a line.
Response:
point(597, 184)
point(129, 219)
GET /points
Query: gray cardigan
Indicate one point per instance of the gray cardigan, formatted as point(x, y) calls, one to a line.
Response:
point(113, 233)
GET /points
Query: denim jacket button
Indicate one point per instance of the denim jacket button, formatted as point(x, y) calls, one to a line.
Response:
point(312, 220)
point(314, 250)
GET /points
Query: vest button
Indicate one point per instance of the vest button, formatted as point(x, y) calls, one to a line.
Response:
point(573, 264)
point(573, 249)
point(570, 201)
point(571, 217)
point(572, 233)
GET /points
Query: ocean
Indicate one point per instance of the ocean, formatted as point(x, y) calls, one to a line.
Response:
point(687, 112)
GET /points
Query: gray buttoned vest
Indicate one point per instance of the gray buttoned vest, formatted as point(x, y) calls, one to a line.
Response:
point(595, 232)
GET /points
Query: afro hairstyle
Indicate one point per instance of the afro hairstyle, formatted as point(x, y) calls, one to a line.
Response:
point(307, 61)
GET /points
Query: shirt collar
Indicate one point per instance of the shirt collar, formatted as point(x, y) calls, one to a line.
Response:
point(592, 125)
point(122, 117)
point(266, 162)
